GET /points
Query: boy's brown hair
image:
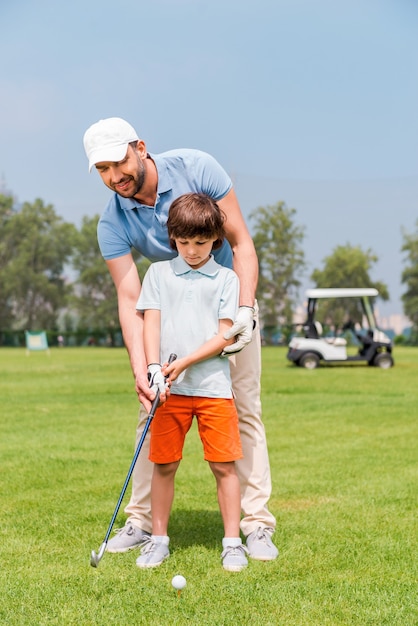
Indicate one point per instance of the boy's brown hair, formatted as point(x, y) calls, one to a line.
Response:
point(195, 215)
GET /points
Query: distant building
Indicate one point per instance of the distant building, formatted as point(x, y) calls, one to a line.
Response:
point(397, 322)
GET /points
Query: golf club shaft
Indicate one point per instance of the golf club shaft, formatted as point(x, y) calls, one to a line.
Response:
point(134, 460)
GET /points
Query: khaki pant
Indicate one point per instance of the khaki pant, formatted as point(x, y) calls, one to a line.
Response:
point(253, 470)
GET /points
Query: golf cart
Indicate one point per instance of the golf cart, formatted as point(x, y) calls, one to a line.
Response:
point(375, 347)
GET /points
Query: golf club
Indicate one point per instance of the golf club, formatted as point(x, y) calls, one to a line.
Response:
point(96, 557)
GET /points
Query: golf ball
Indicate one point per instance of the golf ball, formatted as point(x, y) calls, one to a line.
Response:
point(178, 582)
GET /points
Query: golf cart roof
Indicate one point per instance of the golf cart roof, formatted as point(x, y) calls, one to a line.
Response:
point(341, 293)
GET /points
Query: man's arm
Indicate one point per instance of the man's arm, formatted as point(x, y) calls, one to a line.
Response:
point(128, 286)
point(245, 264)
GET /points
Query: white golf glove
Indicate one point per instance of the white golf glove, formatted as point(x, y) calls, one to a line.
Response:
point(156, 378)
point(242, 328)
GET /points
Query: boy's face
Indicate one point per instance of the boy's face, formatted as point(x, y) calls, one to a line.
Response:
point(195, 250)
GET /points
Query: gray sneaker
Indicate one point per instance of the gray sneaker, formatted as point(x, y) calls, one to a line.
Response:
point(234, 559)
point(127, 538)
point(153, 554)
point(260, 545)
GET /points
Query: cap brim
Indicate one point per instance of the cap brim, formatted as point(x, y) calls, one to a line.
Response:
point(113, 154)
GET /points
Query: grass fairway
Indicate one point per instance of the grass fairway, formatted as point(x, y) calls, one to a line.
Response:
point(343, 452)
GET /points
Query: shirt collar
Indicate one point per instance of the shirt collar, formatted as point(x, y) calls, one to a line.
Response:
point(164, 179)
point(179, 265)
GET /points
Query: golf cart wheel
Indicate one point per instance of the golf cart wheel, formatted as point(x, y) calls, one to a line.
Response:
point(309, 361)
point(383, 360)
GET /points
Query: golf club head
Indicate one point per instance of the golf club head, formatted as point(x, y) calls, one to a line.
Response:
point(96, 558)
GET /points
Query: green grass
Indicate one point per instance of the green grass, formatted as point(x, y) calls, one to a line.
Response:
point(343, 452)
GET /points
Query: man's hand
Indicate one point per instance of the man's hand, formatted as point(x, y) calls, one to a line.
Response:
point(243, 330)
point(145, 394)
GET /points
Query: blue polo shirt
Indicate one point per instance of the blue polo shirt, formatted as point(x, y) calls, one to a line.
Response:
point(191, 303)
point(127, 224)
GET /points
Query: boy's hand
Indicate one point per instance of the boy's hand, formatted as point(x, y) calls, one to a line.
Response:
point(173, 370)
point(156, 379)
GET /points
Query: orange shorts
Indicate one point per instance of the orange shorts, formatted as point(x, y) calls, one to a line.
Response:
point(217, 421)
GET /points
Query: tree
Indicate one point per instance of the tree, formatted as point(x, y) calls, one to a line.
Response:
point(95, 299)
point(347, 266)
point(36, 244)
point(277, 240)
point(410, 278)
point(6, 251)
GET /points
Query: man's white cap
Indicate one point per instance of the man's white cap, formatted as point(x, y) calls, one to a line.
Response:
point(107, 140)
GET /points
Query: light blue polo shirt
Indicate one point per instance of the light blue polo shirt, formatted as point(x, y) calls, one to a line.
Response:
point(126, 224)
point(191, 303)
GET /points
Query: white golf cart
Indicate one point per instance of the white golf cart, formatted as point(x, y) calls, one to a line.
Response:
point(375, 347)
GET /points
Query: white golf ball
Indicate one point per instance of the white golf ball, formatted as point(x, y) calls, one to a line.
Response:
point(178, 582)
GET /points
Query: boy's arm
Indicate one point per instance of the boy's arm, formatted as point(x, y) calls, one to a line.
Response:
point(152, 338)
point(152, 332)
point(210, 348)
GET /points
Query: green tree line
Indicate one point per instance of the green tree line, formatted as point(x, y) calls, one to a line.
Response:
point(52, 275)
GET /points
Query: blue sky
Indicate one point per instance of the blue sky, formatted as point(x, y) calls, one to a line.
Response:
point(311, 103)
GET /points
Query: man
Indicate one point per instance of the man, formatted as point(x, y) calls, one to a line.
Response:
point(144, 187)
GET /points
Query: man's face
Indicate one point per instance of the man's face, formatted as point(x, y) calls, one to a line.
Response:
point(125, 177)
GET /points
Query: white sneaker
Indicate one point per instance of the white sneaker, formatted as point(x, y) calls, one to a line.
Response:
point(127, 538)
point(153, 554)
point(260, 545)
point(234, 559)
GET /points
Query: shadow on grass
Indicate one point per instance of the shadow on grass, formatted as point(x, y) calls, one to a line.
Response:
point(196, 527)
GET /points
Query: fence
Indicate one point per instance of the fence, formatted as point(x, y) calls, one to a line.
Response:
point(82, 337)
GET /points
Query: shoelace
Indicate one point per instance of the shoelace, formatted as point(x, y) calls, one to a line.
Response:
point(234, 550)
point(148, 545)
point(262, 534)
point(128, 529)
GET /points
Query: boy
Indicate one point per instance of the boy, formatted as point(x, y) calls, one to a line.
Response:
point(188, 304)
